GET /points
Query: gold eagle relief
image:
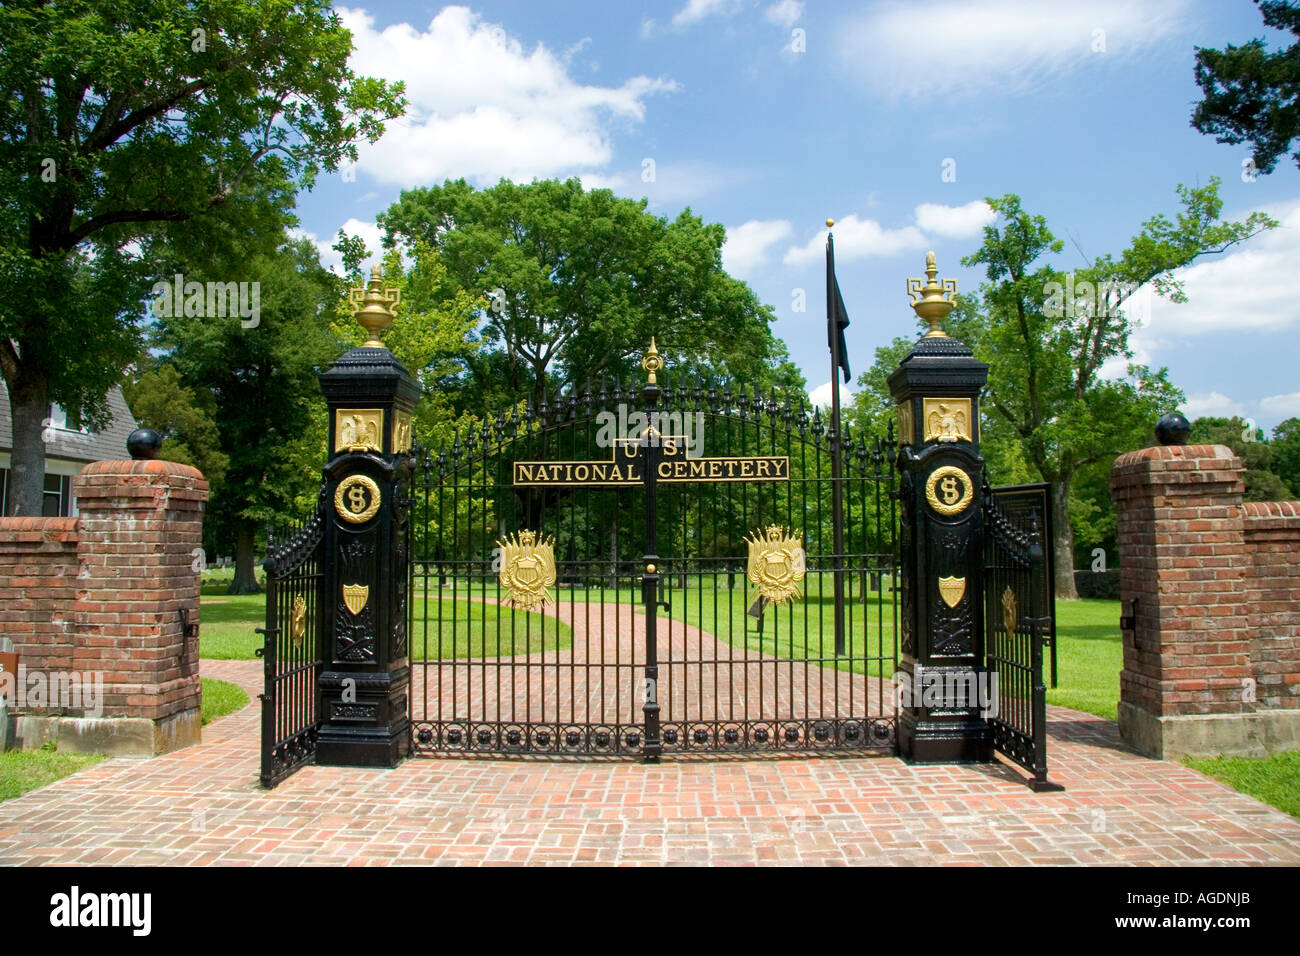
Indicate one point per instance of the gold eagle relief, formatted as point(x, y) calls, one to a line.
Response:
point(947, 419)
point(527, 569)
point(777, 563)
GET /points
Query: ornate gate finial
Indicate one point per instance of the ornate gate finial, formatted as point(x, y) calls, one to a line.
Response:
point(374, 307)
point(651, 362)
point(932, 306)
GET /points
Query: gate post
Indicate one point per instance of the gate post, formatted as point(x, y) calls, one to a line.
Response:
point(365, 675)
point(936, 388)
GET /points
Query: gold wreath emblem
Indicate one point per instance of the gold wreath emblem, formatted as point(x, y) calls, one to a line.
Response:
point(527, 569)
point(1009, 610)
point(298, 621)
point(941, 490)
point(350, 499)
point(776, 563)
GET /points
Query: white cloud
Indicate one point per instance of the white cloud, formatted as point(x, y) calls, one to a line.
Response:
point(1281, 406)
point(959, 48)
point(490, 109)
point(785, 13)
point(330, 258)
point(955, 222)
point(747, 245)
point(857, 239)
point(821, 395)
point(1215, 404)
point(697, 10)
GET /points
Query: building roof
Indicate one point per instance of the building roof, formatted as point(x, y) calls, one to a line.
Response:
point(74, 446)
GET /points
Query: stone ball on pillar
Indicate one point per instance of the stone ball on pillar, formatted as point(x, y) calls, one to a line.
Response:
point(144, 443)
point(1173, 429)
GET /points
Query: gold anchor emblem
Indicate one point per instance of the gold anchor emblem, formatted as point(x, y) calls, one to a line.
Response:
point(776, 564)
point(527, 569)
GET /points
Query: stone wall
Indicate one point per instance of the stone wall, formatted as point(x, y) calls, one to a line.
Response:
point(1212, 588)
point(98, 604)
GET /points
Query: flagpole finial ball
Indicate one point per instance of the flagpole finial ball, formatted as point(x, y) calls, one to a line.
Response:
point(829, 223)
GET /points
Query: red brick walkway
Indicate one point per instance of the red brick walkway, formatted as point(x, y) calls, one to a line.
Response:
point(202, 806)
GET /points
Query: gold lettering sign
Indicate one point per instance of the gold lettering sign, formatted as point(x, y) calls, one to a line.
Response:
point(949, 490)
point(625, 468)
point(401, 432)
point(358, 429)
point(527, 569)
point(906, 434)
point(356, 499)
point(355, 597)
point(298, 621)
point(1009, 610)
point(951, 590)
point(776, 563)
point(947, 419)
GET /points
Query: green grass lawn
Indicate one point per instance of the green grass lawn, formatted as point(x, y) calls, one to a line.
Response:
point(467, 628)
point(220, 698)
point(23, 770)
point(1275, 779)
point(1088, 657)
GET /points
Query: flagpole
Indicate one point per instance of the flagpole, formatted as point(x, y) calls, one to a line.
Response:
point(837, 499)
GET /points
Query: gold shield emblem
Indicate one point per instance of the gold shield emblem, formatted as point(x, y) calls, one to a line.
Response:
point(527, 569)
point(1009, 610)
point(776, 563)
point(951, 590)
point(355, 597)
point(298, 621)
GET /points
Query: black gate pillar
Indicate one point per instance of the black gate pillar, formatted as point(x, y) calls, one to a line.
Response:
point(365, 675)
point(936, 388)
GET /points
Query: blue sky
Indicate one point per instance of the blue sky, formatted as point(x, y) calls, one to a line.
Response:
point(768, 116)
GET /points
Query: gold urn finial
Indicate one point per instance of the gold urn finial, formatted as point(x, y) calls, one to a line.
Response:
point(374, 307)
point(651, 362)
point(935, 300)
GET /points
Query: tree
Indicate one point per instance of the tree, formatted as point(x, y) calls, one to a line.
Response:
point(1053, 341)
point(1251, 95)
point(1286, 453)
point(580, 280)
point(1248, 444)
point(122, 124)
point(263, 382)
point(186, 419)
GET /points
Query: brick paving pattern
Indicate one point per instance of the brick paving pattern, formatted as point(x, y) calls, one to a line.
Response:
point(202, 806)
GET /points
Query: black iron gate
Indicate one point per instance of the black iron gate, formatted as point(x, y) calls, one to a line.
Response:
point(639, 515)
point(291, 651)
point(1020, 618)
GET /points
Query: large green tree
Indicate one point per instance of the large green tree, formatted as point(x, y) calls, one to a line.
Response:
point(1053, 341)
point(1252, 95)
point(1286, 453)
point(1256, 453)
point(262, 382)
point(577, 281)
point(126, 121)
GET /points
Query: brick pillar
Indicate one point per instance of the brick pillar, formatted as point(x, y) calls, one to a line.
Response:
point(139, 527)
point(1187, 670)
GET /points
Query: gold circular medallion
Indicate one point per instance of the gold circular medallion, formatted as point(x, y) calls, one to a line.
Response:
point(351, 501)
point(949, 490)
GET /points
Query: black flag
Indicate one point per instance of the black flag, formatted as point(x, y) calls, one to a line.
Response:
point(837, 319)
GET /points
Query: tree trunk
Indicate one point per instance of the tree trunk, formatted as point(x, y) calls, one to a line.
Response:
point(245, 580)
point(29, 401)
point(1064, 543)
